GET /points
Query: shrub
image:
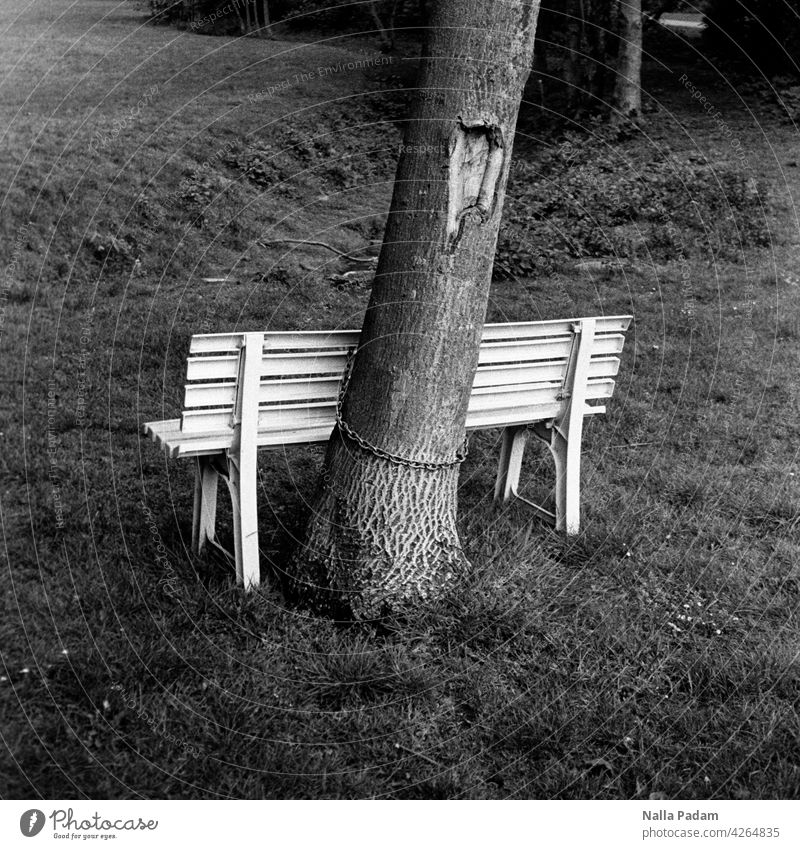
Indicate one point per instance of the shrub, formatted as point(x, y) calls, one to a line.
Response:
point(218, 17)
point(593, 202)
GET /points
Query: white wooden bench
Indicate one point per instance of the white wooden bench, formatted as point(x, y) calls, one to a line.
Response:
point(247, 391)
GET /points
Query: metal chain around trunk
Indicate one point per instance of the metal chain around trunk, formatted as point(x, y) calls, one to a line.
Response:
point(345, 428)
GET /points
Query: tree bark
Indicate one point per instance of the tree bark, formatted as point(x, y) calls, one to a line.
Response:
point(580, 68)
point(382, 532)
point(628, 87)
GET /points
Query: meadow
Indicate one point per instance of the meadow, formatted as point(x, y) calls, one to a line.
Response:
point(149, 176)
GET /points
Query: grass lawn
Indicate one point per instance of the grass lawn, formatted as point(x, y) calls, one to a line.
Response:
point(653, 656)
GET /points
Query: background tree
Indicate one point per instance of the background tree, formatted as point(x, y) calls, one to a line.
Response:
point(382, 531)
point(383, 14)
point(628, 83)
point(587, 29)
point(596, 49)
point(253, 17)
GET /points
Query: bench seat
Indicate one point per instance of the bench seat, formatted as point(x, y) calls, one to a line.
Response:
point(215, 437)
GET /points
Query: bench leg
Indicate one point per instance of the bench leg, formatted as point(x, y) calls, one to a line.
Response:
point(204, 518)
point(511, 451)
point(242, 484)
point(567, 456)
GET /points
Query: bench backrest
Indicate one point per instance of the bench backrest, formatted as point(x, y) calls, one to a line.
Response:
point(521, 377)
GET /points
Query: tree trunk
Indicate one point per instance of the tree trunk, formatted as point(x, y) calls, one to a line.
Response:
point(597, 67)
point(249, 10)
point(628, 88)
point(382, 531)
point(540, 71)
point(385, 31)
point(575, 60)
point(241, 11)
point(589, 42)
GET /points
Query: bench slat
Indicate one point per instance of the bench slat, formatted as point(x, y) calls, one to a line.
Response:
point(309, 340)
point(305, 340)
point(544, 349)
point(272, 365)
point(540, 329)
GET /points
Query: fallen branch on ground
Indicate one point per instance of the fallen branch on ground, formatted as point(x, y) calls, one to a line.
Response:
point(317, 244)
